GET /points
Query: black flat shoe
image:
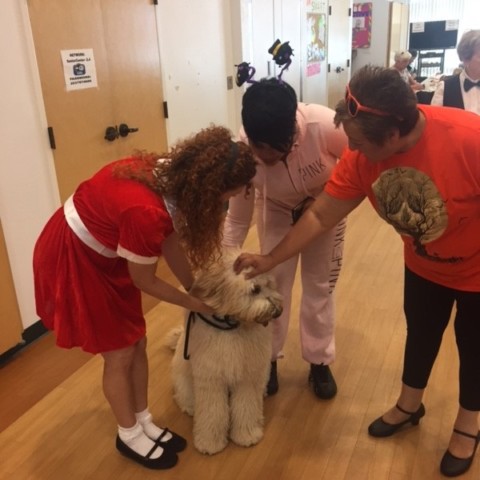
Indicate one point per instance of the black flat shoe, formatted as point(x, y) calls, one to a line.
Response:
point(176, 443)
point(322, 381)
point(380, 428)
point(452, 466)
point(167, 459)
point(272, 385)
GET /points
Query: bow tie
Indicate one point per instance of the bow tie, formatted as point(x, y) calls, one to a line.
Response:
point(468, 84)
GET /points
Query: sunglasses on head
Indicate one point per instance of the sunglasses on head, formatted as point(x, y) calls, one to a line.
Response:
point(354, 106)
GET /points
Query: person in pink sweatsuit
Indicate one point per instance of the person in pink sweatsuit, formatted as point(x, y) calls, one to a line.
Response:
point(297, 146)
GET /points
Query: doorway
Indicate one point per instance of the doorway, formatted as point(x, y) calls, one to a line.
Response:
point(10, 322)
point(339, 49)
point(122, 37)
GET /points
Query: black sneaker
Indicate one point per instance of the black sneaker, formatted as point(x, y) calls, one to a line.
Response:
point(322, 381)
point(272, 385)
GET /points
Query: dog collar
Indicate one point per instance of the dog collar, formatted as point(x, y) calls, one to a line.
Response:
point(222, 323)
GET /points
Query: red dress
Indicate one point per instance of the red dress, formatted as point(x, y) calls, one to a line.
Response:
point(83, 290)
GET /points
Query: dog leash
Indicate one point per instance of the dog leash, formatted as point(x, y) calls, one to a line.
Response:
point(225, 323)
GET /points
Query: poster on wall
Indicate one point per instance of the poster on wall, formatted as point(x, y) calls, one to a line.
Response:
point(79, 69)
point(362, 25)
point(316, 25)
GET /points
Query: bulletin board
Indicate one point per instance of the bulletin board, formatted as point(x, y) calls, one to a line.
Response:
point(362, 25)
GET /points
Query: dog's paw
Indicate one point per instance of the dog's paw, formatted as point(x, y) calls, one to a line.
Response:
point(246, 437)
point(210, 446)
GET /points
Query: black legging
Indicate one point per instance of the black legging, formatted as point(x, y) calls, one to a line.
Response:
point(428, 307)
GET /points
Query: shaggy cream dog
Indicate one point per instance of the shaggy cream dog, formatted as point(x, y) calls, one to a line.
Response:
point(222, 382)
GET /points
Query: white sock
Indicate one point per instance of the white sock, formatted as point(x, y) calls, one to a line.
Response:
point(136, 439)
point(151, 430)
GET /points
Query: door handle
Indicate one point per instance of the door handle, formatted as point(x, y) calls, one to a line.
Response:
point(339, 69)
point(111, 134)
point(124, 130)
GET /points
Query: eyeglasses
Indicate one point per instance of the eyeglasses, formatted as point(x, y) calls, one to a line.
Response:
point(354, 106)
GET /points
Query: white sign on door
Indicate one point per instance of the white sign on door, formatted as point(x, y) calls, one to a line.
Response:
point(79, 69)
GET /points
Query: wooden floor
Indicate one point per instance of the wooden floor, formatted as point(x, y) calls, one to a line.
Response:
point(66, 430)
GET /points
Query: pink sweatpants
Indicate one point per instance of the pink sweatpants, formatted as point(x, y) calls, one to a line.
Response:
point(320, 264)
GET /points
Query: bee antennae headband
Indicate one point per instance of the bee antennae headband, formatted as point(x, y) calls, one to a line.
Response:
point(281, 52)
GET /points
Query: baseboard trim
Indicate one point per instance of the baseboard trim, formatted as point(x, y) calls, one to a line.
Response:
point(29, 335)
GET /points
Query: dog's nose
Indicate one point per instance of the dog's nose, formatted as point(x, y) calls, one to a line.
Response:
point(278, 311)
point(276, 308)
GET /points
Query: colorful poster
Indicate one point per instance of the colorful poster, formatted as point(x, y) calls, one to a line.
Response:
point(362, 25)
point(316, 24)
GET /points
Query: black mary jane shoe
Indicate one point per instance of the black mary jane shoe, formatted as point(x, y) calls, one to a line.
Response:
point(167, 459)
point(380, 428)
point(452, 466)
point(176, 443)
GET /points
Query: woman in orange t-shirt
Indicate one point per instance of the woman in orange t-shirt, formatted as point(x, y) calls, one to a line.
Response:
point(420, 169)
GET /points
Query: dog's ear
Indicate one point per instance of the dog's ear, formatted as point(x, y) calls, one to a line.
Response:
point(206, 286)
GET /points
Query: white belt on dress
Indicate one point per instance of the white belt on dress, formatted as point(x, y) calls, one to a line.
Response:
point(76, 224)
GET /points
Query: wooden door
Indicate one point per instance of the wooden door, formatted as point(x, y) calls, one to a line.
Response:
point(123, 37)
point(10, 322)
point(339, 49)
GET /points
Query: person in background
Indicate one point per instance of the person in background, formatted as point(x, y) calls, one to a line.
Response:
point(419, 167)
point(100, 250)
point(402, 61)
point(296, 146)
point(410, 68)
point(463, 90)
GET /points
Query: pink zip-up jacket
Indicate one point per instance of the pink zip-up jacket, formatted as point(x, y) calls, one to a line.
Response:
point(307, 168)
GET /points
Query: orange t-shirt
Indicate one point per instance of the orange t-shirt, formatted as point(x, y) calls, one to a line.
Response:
point(429, 194)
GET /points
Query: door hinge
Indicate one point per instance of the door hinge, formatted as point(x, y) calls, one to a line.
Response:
point(329, 9)
point(349, 12)
point(328, 69)
point(165, 110)
point(51, 138)
point(348, 62)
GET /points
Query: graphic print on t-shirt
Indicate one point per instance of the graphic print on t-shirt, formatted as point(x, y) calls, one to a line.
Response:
point(409, 201)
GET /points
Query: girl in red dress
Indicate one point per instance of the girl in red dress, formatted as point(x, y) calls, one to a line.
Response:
point(100, 250)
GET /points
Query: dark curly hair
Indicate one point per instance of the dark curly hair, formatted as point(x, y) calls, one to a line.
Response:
point(194, 175)
point(269, 110)
point(383, 89)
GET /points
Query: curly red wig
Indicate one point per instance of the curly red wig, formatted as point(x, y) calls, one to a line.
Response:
point(195, 175)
